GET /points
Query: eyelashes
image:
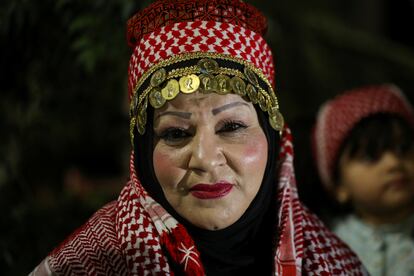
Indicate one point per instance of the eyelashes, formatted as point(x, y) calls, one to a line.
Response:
point(174, 134)
point(231, 126)
point(178, 135)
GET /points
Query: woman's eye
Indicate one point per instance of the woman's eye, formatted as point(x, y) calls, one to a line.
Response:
point(232, 126)
point(174, 135)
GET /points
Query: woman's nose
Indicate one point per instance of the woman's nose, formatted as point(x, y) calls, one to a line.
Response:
point(206, 152)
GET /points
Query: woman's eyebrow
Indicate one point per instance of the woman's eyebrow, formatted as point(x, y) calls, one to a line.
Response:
point(187, 115)
point(184, 115)
point(217, 110)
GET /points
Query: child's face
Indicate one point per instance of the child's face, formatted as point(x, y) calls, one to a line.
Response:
point(381, 190)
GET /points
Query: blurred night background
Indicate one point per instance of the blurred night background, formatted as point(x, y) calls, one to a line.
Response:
point(64, 144)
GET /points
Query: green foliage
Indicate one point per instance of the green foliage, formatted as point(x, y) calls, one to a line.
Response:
point(63, 105)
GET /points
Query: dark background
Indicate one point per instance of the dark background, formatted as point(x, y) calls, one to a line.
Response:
point(64, 112)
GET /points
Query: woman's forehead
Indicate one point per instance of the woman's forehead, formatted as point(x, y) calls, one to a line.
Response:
point(201, 100)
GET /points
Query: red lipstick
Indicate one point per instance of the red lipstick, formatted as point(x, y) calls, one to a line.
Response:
point(211, 191)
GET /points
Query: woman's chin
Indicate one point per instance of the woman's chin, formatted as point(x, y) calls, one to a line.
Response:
point(211, 220)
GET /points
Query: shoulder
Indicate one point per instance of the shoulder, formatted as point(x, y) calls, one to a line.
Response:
point(92, 248)
point(351, 230)
point(324, 251)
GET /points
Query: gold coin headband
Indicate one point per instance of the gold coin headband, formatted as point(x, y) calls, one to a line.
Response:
point(207, 73)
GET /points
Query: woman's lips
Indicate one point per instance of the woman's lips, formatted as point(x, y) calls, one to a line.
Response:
point(211, 191)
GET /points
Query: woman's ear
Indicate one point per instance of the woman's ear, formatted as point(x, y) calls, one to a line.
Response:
point(342, 193)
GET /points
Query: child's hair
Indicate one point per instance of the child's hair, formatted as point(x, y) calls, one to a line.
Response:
point(373, 136)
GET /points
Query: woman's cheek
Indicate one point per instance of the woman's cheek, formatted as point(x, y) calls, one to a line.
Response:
point(255, 153)
point(163, 166)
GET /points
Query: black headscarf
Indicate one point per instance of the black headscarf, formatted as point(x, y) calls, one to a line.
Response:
point(243, 247)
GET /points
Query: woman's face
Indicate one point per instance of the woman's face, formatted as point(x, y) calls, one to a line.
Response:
point(209, 157)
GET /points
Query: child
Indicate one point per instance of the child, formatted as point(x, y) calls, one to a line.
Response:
point(364, 148)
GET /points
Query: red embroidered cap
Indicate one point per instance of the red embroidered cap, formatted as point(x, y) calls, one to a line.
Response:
point(337, 117)
point(209, 46)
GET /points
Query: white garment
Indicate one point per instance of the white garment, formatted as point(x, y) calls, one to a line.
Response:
point(385, 250)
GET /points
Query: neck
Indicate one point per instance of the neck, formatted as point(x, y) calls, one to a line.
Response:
point(384, 218)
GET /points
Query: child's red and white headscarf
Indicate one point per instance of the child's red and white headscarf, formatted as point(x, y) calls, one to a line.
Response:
point(337, 117)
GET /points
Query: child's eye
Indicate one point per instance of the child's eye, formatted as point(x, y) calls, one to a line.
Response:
point(405, 148)
point(231, 126)
point(174, 135)
point(368, 158)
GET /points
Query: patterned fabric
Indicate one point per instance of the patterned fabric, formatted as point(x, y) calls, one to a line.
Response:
point(305, 244)
point(385, 249)
point(145, 229)
point(199, 36)
point(93, 249)
point(136, 236)
point(338, 116)
point(163, 13)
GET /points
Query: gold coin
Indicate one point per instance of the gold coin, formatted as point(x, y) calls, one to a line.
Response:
point(158, 77)
point(144, 105)
point(251, 93)
point(189, 83)
point(262, 101)
point(276, 121)
point(134, 104)
point(251, 76)
point(223, 84)
point(141, 121)
point(208, 83)
point(141, 129)
point(156, 99)
point(131, 110)
point(208, 65)
point(272, 111)
point(238, 86)
point(272, 97)
point(171, 90)
point(142, 118)
point(269, 105)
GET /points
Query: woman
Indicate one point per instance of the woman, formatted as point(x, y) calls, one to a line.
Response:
point(212, 190)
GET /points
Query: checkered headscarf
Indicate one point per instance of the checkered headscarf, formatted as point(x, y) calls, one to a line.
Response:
point(337, 117)
point(169, 28)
